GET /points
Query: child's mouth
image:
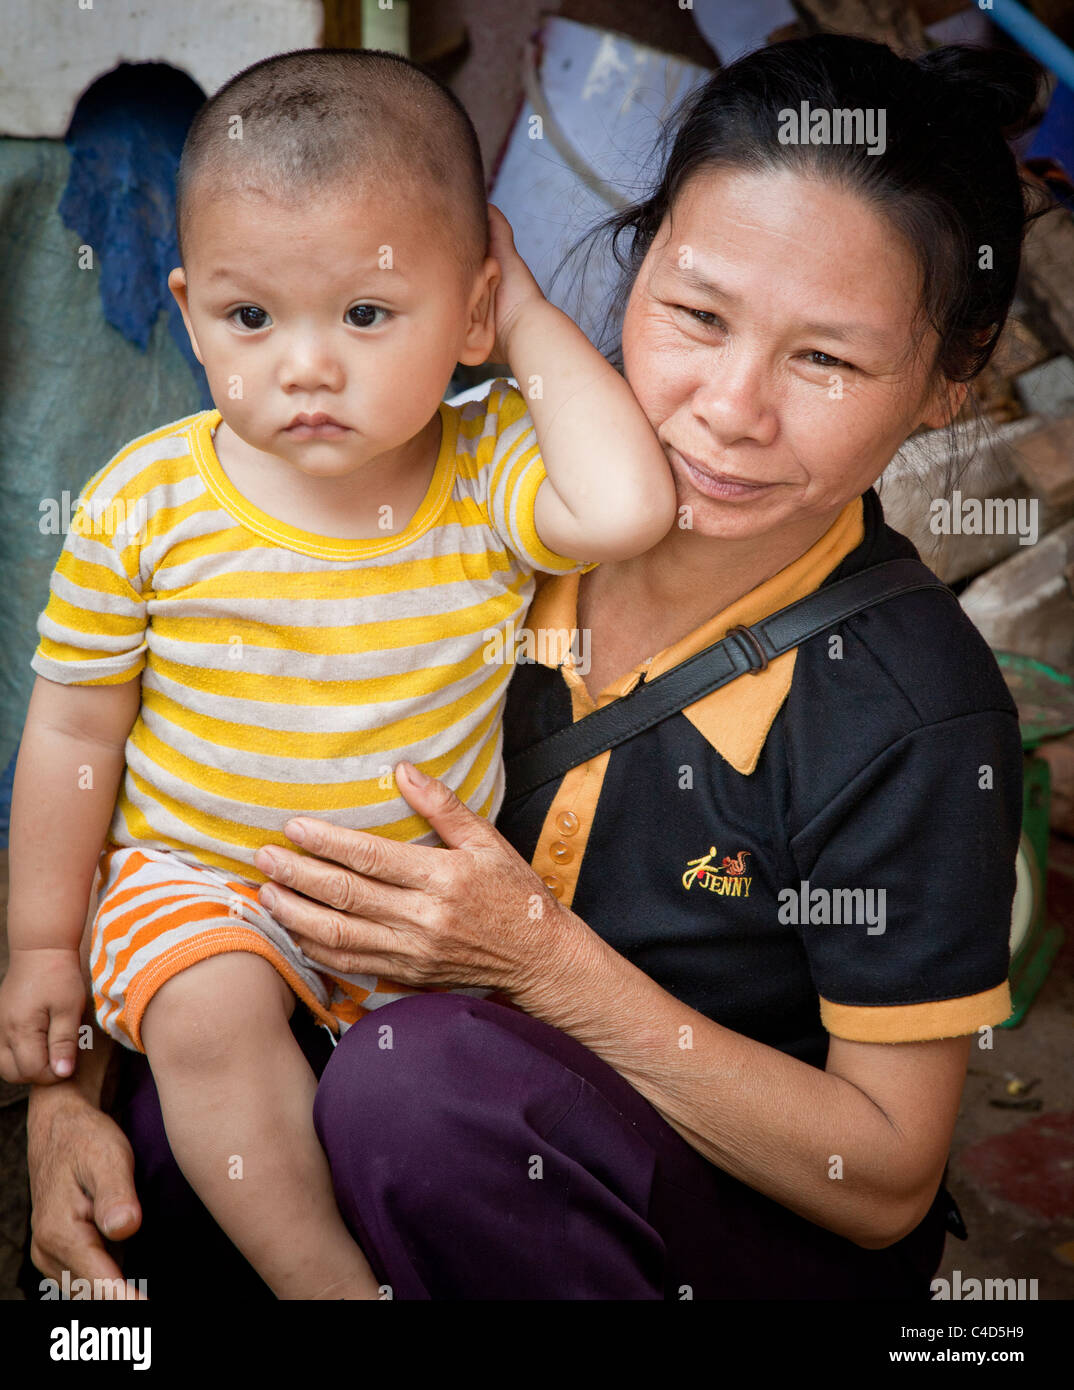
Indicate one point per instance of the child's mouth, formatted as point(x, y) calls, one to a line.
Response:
point(315, 427)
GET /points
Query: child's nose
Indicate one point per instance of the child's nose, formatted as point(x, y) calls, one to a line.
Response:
point(311, 365)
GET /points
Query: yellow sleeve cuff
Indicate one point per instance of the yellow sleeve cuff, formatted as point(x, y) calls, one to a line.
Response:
point(941, 1018)
point(524, 507)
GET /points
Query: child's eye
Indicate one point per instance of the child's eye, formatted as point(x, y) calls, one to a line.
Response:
point(250, 312)
point(361, 315)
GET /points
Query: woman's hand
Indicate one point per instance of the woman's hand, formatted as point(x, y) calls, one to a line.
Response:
point(516, 287)
point(471, 913)
point(81, 1186)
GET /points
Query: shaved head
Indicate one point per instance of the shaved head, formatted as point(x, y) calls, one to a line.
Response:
point(297, 124)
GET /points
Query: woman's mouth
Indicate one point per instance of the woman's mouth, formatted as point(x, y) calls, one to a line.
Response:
point(720, 485)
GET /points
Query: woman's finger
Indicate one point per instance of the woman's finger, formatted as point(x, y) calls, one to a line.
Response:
point(82, 1187)
point(452, 819)
point(78, 1249)
point(334, 886)
point(375, 856)
point(335, 931)
point(352, 962)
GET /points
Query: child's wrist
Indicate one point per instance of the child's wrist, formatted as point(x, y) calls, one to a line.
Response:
point(520, 314)
point(37, 953)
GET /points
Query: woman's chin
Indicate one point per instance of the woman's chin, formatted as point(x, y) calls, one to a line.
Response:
point(738, 517)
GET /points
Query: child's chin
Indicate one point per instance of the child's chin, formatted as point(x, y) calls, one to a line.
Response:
point(326, 468)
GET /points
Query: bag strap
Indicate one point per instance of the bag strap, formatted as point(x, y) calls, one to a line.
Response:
point(742, 650)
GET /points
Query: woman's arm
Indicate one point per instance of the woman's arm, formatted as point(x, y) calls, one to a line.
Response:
point(859, 1148)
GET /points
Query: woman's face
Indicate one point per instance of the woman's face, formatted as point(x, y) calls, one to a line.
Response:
point(769, 339)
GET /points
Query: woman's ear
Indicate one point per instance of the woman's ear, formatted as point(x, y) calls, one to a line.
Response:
point(178, 287)
point(944, 403)
point(480, 332)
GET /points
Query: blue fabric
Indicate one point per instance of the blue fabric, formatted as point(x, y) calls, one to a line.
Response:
point(125, 140)
point(87, 359)
point(5, 800)
point(1054, 137)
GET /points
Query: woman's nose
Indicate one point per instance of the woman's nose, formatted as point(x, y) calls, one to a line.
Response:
point(736, 400)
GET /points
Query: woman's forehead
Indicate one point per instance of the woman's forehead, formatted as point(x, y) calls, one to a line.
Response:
point(809, 245)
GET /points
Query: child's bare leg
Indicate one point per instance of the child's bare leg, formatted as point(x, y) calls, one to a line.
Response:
point(234, 1084)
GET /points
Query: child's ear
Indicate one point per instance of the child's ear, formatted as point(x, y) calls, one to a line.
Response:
point(177, 285)
point(480, 332)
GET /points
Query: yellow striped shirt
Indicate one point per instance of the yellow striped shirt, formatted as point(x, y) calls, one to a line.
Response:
point(285, 673)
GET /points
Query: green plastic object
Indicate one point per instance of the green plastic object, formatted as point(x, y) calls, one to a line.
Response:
point(1045, 700)
point(1034, 940)
point(1044, 696)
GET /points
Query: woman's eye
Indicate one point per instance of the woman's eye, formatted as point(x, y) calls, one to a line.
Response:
point(361, 315)
point(250, 316)
point(703, 316)
point(831, 361)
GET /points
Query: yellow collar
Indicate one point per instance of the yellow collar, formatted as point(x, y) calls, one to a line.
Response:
point(735, 719)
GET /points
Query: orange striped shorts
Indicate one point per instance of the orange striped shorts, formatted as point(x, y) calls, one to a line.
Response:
point(157, 915)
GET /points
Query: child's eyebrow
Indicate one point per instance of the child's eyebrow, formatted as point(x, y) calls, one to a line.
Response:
point(236, 277)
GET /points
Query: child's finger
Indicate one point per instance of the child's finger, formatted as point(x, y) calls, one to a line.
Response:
point(9, 1070)
point(501, 233)
point(63, 1042)
point(30, 1050)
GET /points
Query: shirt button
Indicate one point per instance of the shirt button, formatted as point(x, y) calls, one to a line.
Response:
point(567, 822)
point(553, 884)
point(560, 852)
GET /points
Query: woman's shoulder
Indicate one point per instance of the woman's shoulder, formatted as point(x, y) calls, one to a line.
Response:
point(912, 660)
point(906, 695)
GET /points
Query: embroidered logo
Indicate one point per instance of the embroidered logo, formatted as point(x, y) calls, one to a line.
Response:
point(728, 878)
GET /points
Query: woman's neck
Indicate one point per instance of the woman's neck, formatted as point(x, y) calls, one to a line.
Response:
point(696, 577)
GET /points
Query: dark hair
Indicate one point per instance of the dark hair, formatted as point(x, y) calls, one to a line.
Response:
point(947, 180)
point(315, 115)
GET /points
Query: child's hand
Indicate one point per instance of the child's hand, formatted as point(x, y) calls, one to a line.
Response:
point(41, 1003)
point(517, 287)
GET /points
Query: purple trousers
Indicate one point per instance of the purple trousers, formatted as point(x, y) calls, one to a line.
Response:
point(478, 1153)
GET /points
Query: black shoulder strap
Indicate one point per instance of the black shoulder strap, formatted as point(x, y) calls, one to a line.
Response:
point(744, 649)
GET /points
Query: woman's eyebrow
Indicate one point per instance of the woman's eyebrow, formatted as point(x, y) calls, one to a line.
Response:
point(845, 332)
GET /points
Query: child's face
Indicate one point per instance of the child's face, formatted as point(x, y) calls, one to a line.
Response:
point(346, 303)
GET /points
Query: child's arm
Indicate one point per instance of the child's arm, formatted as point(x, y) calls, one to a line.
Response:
point(69, 767)
point(609, 493)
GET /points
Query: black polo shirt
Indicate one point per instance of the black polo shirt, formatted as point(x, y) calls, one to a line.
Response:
point(846, 867)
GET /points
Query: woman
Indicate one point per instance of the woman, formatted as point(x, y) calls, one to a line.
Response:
point(698, 1077)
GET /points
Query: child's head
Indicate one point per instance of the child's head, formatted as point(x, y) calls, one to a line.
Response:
point(333, 233)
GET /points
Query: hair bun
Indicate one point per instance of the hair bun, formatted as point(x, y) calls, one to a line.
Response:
point(1001, 83)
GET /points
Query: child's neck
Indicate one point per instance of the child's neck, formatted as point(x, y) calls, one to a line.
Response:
point(349, 507)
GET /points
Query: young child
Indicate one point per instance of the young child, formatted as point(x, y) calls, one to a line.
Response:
point(306, 580)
